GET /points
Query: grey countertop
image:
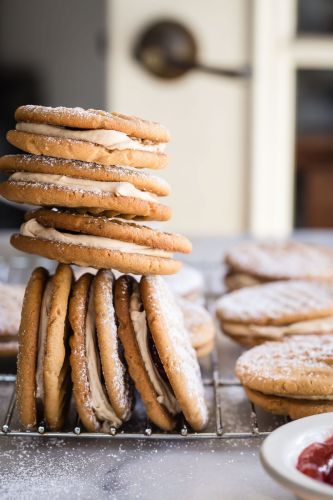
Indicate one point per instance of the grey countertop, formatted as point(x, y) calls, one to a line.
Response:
point(38, 468)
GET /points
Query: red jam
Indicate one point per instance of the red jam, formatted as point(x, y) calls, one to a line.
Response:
point(316, 461)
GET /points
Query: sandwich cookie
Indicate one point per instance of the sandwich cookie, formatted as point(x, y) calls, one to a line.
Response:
point(188, 283)
point(90, 135)
point(253, 263)
point(101, 387)
point(46, 181)
point(100, 242)
point(275, 310)
point(293, 377)
point(200, 325)
point(158, 351)
point(11, 299)
point(43, 380)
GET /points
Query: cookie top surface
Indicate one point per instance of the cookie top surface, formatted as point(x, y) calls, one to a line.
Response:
point(198, 322)
point(39, 164)
point(112, 228)
point(299, 366)
point(173, 343)
point(282, 260)
point(93, 119)
point(188, 281)
point(11, 299)
point(114, 370)
point(277, 303)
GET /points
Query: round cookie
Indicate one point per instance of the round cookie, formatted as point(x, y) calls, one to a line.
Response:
point(91, 397)
point(100, 242)
point(205, 349)
point(84, 170)
point(56, 370)
point(93, 119)
point(250, 263)
point(296, 368)
point(277, 303)
point(199, 323)
point(63, 191)
point(124, 288)
point(28, 348)
point(115, 374)
point(173, 345)
point(294, 408)
point(188, 283)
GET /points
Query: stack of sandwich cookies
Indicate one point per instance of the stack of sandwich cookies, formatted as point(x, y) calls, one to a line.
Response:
point(85, 167)
point(158, 351)
point(11, 299)
point(292, 377)
point(101, 386)
point(43, 378)
point(275, 310)
point(90, 135)
point(250, 264)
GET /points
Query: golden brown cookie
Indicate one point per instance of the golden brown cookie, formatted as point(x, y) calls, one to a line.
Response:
point(93, 119)
point(114, 370)
point(57, 190)
point(294, 408)
point(250, 263)
point(127, 292)
point(173, 345)
point(28, 348)
point(277, 303)
point(205, 349)
point(297, 368)
point(83, 170)
point(55, 362)
point(88, 357)
point(199, 323)
point(100, 242)
point(43, 382)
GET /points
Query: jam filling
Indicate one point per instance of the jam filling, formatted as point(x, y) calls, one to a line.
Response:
point(316, 461)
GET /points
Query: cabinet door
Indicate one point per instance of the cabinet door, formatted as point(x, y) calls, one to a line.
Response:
point(207, 115)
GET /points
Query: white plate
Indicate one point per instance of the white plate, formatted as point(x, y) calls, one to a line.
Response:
point(280, 451)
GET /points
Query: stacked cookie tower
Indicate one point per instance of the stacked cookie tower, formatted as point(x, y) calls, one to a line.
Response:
point(71, 167)
point(93, 214)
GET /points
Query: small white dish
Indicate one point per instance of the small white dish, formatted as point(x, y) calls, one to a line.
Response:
point(281, 449)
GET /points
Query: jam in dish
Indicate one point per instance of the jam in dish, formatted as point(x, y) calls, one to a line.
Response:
point(316, 461)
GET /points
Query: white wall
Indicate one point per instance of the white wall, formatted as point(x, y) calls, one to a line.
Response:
point(207, 115)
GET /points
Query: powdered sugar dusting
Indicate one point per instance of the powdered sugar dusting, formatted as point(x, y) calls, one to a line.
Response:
point(183, 360)
point(301, 365)
point(274, 301)
point(282, 260)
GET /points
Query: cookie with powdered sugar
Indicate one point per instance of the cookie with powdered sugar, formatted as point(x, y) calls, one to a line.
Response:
point(199, 322)
point(272, 311)
point(252, 263)
point(292, 377)
point(43, 381)
point(11, 299)
point(100, 242)
point(174, 349)
point(90, 135)
point(100, 383)
point(47, 181)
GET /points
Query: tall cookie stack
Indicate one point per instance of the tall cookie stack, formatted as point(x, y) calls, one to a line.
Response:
point(84, 170)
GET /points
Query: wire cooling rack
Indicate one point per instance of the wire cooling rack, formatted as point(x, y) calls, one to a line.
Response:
point(217, 388)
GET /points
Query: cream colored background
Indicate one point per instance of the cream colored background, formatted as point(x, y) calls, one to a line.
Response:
point(207, 115)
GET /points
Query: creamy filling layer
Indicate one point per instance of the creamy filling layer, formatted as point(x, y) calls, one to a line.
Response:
point(42, 334)
point(313, 326)
point(99, 400)
point(33, 229)
point(62, 181)
point(240, 280)
point(138, 316)
point(110, 139)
